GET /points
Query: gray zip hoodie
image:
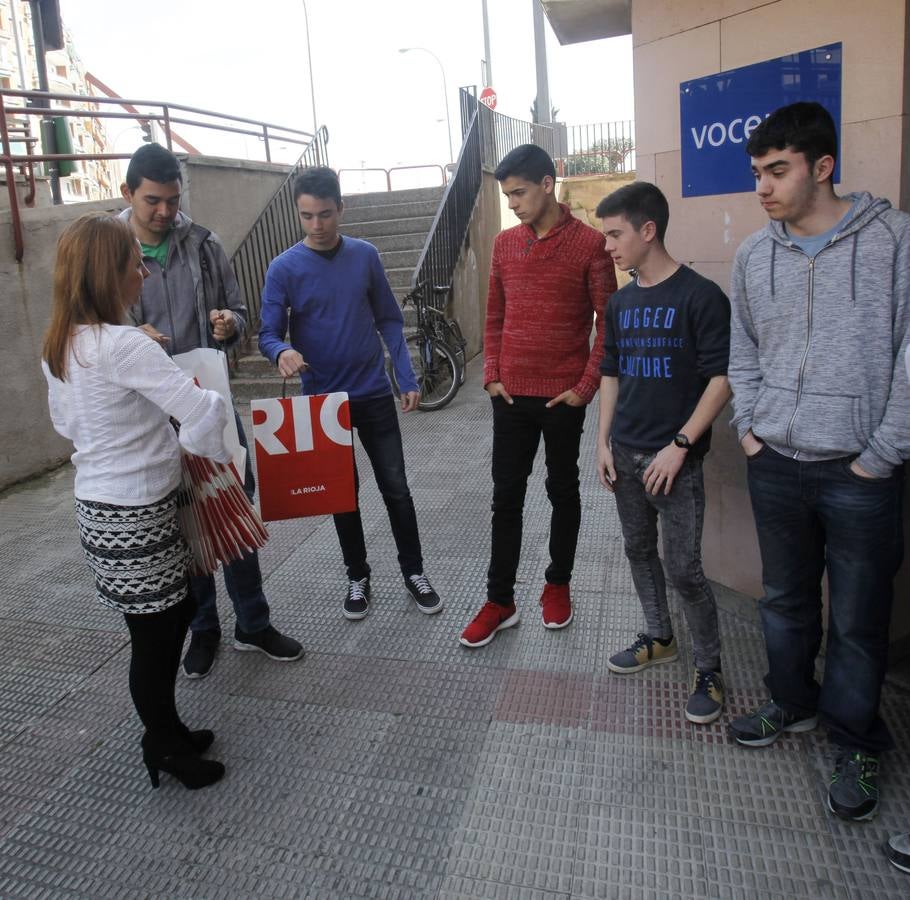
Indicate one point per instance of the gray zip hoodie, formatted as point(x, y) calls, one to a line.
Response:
point(817, 344)
point(197, 279)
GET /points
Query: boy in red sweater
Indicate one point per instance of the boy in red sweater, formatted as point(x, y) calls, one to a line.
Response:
point(550, 275)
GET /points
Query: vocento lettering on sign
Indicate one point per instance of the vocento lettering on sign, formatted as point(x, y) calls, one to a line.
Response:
point(718, 113)
point(718, 133)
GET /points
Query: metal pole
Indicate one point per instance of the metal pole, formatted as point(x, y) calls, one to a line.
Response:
point(309, 59)
point(486, 46)
point(48, 138)
point(445, 92)
point(540, 63)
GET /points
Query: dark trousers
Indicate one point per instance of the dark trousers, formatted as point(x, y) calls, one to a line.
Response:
point(242, 578)
point(681, 513)
point(376, 421)
point(517, 428)
point(813, 516)
point(156, 642)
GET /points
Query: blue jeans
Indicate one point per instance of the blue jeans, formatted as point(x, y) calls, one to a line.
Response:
point(376, 421)
point(682, 514)
point(812, 516)
point(517, 429)
point(242, 578)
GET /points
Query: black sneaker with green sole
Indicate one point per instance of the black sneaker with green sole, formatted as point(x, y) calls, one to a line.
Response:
point(766, 724)
point(853, 791)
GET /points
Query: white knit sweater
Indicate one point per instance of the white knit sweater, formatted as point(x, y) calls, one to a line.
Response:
point(120, 390)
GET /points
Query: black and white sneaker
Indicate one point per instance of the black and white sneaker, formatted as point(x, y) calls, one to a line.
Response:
point(269, 641)
point(422, 593)
point(898, 851)
point(200, 657)
point(357, 599)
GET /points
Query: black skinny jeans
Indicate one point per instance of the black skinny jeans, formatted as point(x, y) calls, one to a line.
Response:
point(517, 429)
point(156, 641)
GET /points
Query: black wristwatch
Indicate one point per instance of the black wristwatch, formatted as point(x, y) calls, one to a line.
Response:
point(682, 441)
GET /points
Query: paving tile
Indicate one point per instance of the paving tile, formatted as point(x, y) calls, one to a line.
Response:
point(639, 850)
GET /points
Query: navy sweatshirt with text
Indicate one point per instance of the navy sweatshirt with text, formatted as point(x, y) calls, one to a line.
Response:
point(664, 343)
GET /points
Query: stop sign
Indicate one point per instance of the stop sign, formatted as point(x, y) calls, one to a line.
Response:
point(488, 97)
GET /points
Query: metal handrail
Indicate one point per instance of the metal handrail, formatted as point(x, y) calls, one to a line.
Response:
point(275, 230)
point(442, 172)
point(9, 161)
point(447, 234)
point(388, 172)
point(265, 129)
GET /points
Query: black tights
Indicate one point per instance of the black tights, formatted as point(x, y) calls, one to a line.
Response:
point(157, 642)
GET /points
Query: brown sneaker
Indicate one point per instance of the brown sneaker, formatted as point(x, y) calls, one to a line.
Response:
point(557, 607)
point(646, 651)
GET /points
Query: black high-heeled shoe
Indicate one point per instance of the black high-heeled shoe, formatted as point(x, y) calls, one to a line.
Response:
point(191, 771)
point(194, 741)
point(199, 740)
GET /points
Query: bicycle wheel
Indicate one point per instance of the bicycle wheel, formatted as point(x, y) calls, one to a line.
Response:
point(455, 340)
point(436, 369)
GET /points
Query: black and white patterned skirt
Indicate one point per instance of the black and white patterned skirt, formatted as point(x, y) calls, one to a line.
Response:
point(136, 553)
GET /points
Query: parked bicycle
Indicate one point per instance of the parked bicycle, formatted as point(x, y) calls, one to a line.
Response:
point(437, 349)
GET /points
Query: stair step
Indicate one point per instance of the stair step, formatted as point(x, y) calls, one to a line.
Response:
point(246, 389)
point(399, 259)
point(367, 230)
point(255, 366)
point(399, 277)
point(390, 210)
point(393, 242)
point(375, 198)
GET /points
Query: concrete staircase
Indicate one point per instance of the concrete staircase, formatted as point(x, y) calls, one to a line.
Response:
point(396, 223)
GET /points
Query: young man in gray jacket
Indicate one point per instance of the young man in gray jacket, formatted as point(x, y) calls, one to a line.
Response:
point(191, 299)
point(821, 302)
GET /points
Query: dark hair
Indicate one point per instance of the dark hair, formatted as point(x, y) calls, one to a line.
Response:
point(527, 161)
point(639, 202)
point(93, 255)
point(805, 128)
point(321, 182)
point(154, 162)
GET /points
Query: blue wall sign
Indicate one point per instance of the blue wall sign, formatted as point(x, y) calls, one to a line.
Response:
point(718, 113)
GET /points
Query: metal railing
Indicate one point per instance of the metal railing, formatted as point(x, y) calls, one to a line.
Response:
point(447, 234)
point(436, 167)
point(601, 148)
point(45, 105)
point(276, 229)
point(594, 149)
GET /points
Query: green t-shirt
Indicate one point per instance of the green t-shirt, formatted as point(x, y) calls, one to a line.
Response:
point(157, 252)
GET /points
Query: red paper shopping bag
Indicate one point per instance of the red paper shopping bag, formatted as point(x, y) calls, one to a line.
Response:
point(304, 456)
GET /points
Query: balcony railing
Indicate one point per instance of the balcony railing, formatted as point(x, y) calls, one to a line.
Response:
point(602, 148)
point(48, 105)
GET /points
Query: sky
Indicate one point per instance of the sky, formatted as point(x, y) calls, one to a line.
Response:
point(382, 108)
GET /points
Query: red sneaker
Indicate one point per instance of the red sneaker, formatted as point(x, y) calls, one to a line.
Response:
point(491, 618)
point(557, 607)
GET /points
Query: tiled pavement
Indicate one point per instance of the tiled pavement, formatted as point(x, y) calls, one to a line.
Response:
point(391, 761)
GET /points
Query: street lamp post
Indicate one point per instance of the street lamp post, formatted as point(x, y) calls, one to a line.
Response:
point(309, 59)
point(445, 91)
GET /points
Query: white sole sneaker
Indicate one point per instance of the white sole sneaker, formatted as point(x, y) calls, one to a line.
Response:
point(427, 610)
point(239, 645)
point(620, 670)
point(508, 623)
point(555, 626)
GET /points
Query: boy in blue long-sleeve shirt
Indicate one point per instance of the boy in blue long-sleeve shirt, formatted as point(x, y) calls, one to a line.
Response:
point(340, 303)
